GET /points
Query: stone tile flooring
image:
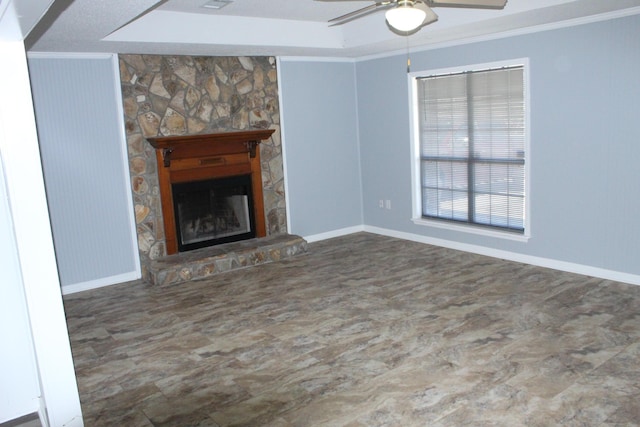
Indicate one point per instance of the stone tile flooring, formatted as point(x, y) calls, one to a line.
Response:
point(363, 330)
point(31, 420)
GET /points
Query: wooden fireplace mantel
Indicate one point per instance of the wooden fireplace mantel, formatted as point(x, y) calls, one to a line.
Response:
point(208, 156)
point(175, 147)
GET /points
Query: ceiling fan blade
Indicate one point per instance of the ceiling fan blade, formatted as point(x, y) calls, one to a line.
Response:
point(477, 4)
point(431, 15)
point(360, 12)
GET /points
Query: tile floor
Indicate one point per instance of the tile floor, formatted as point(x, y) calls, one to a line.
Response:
point(363, 330)
point(27, 421)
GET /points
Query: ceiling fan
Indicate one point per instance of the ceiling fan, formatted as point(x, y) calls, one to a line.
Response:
point(408, 16)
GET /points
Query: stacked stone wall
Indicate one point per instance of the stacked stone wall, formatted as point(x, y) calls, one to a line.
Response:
point(186, 95)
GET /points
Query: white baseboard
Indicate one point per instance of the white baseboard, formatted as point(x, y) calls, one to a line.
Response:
point(334, 233)
point(99, 283)
point(569, 267)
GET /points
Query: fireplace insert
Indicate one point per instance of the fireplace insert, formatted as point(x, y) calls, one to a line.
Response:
point(214, 211)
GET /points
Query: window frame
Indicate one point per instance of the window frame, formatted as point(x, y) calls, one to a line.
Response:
point(416, 188)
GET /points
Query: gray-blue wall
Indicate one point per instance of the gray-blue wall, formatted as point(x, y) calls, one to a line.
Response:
point(81, 142)
point(585, 141)
point(346, 141)
point(584, 156)
point(319, 115)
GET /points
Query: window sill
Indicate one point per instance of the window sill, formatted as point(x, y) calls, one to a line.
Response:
point(471, 229)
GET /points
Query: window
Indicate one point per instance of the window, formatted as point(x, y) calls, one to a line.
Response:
point(471, 147)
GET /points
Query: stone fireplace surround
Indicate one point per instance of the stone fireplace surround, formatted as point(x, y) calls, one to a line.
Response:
point(187, 95)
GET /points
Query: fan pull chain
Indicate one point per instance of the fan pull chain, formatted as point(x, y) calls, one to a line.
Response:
point(408, 57)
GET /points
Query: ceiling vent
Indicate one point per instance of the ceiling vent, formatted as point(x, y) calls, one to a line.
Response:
point(216, 4)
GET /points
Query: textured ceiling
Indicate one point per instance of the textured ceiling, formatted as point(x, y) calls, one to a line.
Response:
point(284, 27)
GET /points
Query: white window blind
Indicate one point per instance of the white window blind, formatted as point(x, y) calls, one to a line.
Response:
point(472, 147)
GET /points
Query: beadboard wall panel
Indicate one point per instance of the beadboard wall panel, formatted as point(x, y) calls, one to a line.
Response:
point(77, 102)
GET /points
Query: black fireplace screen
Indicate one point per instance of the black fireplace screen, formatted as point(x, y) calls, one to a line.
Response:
point(213, 212)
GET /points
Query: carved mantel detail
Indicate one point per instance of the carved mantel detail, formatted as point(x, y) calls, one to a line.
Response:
point(206, 156)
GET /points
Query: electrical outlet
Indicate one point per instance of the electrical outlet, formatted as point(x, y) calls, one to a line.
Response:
point(388, 204)
point(381, 203)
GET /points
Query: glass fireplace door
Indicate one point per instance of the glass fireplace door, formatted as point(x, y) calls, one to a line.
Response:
point(213, 212)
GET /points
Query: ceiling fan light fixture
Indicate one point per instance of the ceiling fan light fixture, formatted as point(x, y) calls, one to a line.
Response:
point(405, 17)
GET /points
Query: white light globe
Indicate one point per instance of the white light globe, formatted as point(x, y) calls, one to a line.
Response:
point(405, 18)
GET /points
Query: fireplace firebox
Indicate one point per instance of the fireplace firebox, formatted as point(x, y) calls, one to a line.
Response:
point(210, 188)
point(214, 211)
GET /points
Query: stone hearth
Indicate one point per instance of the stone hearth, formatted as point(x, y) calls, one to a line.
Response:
point(206, 262)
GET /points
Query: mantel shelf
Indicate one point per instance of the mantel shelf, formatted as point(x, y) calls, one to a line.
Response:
point(222, 137)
